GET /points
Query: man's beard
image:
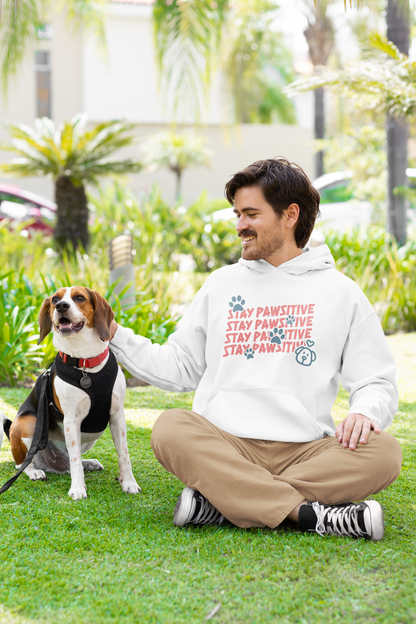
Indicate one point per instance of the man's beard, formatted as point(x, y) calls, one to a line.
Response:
point(263, 250)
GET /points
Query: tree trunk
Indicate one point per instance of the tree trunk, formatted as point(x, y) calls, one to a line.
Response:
point(319, 129)
point(72, 215)
point(397, 131)
point(320, 37)
point(178, 183)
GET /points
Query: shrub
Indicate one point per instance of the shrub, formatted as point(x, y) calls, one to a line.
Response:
point(19, 353)
point(161, 233)
point(385, 272)
point(22, 293)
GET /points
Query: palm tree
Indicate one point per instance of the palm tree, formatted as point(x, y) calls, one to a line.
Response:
point(320, 37)
point(177, 152)
point(72, 155)
point(21, 19)
point(387, 87)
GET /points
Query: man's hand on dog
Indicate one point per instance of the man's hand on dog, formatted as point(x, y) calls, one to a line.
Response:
point(113, 329)
point(353, 428)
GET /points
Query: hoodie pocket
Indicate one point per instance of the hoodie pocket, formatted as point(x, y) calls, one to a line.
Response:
point(262, 413)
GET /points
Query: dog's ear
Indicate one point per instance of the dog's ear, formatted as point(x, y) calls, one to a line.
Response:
point(103, 316)
point(45, 321)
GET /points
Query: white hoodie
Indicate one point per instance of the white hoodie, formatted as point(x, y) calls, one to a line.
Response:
point(266, 347)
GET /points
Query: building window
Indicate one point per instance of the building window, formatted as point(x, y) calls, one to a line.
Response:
point(43, 84)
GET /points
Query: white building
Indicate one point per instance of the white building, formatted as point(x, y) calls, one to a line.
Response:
point(68, 73)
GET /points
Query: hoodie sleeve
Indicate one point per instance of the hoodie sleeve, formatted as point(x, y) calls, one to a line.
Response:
point(177, 365)
point(369, 371)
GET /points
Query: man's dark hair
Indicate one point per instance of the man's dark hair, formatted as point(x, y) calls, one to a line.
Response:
point(282, 183)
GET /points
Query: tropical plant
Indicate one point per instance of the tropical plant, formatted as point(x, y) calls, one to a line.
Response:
point(26, 17)
point(257, 64)
point(72, 155)
point(177, 151)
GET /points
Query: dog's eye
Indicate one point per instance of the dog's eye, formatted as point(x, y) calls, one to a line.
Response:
point(79, 298)
point(55, 299)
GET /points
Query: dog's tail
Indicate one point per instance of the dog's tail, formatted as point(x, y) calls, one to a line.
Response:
point(4, 426)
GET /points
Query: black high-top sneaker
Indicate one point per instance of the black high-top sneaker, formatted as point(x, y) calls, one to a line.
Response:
point(193, 508)
point(350, 520)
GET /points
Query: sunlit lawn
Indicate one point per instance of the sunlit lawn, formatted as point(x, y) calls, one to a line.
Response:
point(118, 558)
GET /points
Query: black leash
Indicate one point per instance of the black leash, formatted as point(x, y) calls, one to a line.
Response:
point(40, 436)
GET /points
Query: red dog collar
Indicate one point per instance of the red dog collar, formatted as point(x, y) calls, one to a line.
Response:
point(81, 363)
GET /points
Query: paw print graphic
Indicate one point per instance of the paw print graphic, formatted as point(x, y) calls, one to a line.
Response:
point(237, 303)
point(290, 320)
point(277, 335)
point(249, 353)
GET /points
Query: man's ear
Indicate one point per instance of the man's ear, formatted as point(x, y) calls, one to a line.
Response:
point(103, 315)
point(292, 215)
point(45, 321)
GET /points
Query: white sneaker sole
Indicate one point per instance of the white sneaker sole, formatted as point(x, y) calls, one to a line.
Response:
point(184, 507)
point(375, 511)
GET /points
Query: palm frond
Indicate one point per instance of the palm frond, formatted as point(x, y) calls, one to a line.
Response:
point(88, 14)
point(383, 86)
point(18, 33)
point(382, 44)
point(188, 38)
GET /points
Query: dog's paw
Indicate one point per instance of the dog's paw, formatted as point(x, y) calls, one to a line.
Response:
point(130, 486)
point(36, 475)
point(77, 493)
point(92, 464)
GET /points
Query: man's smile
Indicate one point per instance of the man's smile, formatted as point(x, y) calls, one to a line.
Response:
point(246, 237)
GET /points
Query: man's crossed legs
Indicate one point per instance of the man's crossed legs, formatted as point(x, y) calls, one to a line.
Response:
point(259, 483)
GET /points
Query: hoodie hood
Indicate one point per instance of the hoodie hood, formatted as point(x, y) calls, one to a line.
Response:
point(311, 259)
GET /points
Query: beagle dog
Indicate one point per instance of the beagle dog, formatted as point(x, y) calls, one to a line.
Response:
point(87, 390)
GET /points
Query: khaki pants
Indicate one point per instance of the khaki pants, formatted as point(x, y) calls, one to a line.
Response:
point(257, 483)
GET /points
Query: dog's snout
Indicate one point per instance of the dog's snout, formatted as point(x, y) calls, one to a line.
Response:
point(62, 306)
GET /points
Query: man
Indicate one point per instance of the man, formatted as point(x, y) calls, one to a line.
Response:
point(265, 344)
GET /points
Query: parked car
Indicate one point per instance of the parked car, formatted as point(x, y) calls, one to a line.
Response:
point(19, 205)
point(339, 210)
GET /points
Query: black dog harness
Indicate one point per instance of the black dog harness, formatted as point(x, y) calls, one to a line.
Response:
point(99, 387)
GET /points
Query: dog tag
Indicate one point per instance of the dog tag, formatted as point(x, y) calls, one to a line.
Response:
point(85, 382)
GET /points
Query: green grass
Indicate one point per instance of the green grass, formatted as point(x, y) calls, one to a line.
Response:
point(118, 558)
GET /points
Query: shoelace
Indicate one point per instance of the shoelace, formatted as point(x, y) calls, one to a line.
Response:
point(207, 513)
point(337, 520)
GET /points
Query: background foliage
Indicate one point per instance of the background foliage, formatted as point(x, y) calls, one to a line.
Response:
point(164, 237)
